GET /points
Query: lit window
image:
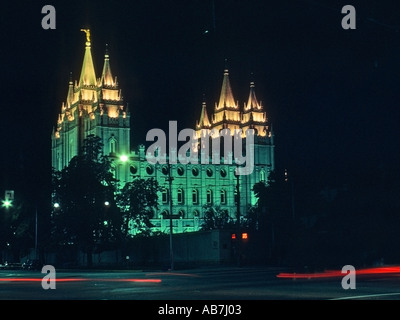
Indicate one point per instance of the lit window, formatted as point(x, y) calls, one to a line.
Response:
point(262, 175)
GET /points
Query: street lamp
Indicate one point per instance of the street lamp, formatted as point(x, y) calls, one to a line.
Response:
point(170, 217)
point(238, 216)
point(6, 203)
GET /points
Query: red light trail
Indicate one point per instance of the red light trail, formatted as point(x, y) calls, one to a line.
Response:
point(391, 270)
point(80, 280)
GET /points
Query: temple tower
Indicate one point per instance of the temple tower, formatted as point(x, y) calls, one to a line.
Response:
point(94, 106)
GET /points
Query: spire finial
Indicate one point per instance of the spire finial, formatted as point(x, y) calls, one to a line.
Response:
point(106, 53)
point(87, 31)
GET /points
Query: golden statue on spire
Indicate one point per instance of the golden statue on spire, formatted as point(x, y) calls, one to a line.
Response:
point(87, 31)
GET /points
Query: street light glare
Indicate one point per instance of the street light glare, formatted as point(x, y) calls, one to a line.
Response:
point(123, 158)
point(6, 203)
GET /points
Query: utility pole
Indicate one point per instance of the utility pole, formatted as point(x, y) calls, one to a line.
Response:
point(171, 252)
point(238, 237)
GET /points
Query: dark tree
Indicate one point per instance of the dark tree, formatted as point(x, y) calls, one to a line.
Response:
point(138, 201)
point(272, 217)
point(87, 216)
point(216, 218)
point(15, 235)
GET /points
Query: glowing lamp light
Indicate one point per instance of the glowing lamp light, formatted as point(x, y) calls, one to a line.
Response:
point(244, 235)
point(123, 158)
point(233, 236)
point(6, 203)
point(56, 205)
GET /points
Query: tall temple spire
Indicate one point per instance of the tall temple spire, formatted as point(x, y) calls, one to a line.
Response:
point(226, 98)
point(253, 116)
point(252, 102)
point(94, 106)
point(70, 95)
point(226, 113)
point(88, 76)
point(204, 122)
point(106, 76)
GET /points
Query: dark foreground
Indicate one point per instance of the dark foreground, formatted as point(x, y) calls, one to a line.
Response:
point(224, 283)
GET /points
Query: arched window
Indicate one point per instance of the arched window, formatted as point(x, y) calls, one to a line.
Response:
point(209, 196)
point(165, 213)
point(113, 145)
point(181, 196)
point(223, 196)
point(164, 195)
point(262, 175)
point(195, 196)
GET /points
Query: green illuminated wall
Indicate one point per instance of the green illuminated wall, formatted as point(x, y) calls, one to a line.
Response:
point(98, 108)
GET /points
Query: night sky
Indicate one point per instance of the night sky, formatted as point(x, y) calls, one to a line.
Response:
point(332, 95)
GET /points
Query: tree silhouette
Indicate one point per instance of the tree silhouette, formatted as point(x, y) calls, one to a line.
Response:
point(138, 201)
point(272, 216)
point(216, 217)
point(87, 216)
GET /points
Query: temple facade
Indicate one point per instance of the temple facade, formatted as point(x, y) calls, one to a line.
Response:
point(95, 106)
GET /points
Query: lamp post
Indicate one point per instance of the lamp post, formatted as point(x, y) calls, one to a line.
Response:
point(171, 252)
point(238, 218)
point(7, 203)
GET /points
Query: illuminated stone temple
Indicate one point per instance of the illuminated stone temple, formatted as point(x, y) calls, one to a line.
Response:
point(94, 105)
